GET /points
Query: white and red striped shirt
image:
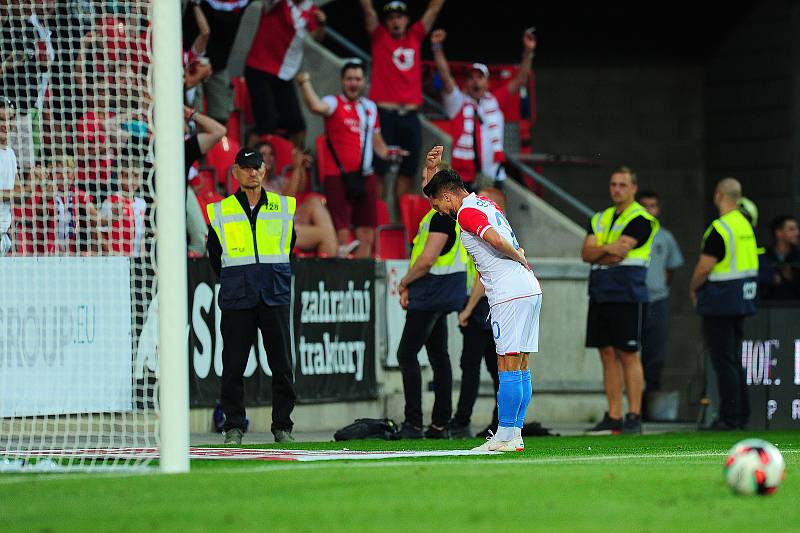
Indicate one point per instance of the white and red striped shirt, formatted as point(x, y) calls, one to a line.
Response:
point(346, 126)
point(492, 123)
point(126, 231)
point(503, 278)
point(278, 45)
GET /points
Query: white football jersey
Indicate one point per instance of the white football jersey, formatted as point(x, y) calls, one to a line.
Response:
point(504, 278)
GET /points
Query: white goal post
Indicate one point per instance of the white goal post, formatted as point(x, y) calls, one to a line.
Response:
point(93, 256)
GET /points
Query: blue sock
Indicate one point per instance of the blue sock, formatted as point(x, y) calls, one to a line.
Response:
point(509, 397)
point(526, 397)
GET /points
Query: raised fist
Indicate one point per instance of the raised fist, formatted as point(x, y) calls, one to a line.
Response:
point(438, 36)
point(528, 40)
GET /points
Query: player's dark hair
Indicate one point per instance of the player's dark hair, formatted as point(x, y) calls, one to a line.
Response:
point(778, 223)
point(648, 193)
point(446, 180)
point(353, 63)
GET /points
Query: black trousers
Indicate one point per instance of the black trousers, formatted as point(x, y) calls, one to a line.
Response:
point(239, 332)
point(723, 337)
point(654, 342)
point(275, 104)
point(428, 328)
point(478, 346)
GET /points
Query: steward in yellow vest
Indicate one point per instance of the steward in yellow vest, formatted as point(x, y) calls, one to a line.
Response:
point(443, 286)
point(249, 243)
point(624, 281)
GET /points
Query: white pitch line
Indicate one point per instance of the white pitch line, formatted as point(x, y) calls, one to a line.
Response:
point(391, 463)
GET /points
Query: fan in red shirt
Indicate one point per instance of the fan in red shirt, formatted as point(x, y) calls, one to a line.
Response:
point(274, 59)
point(477, 122)
point(352, 129)
point(397, 80)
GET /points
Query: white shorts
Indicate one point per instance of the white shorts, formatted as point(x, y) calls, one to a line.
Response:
point(515, 325)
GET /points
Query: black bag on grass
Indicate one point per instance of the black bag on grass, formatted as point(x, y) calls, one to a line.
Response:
point(367, 428)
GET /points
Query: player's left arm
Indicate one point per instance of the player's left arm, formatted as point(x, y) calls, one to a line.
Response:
point(429, 17)
point(423, 264)
point(524, 71)
point(504, 247)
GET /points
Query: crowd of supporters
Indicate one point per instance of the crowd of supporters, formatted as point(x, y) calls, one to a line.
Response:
point(76, 173)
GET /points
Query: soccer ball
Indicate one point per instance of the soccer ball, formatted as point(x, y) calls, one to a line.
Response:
point(754, 466)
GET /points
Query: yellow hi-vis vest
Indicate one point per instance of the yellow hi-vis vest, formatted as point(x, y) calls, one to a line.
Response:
point(741, 251)
point(605, 233)
point(732, 288)
point(268, 242)
point(453, 261)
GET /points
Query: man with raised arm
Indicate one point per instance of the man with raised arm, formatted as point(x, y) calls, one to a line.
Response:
point(477, 121)
point(515, 298)
point(397, 80)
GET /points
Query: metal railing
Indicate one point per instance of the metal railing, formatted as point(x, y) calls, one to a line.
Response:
point(548, 184)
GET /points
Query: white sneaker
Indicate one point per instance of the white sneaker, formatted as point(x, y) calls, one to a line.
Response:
point(493, 444)
point(518, 444)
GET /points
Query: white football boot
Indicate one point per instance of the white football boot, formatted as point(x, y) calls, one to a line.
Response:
point(518, 444)
point(493, 444)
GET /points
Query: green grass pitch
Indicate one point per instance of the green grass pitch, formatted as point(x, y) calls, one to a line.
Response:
point(669, 482)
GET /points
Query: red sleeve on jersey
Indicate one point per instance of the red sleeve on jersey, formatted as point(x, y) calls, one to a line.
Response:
point(473, 220)
point(417, 30)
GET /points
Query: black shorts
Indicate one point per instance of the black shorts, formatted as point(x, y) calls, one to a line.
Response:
point(404, 130)
point(615, 324)
point(274, 101)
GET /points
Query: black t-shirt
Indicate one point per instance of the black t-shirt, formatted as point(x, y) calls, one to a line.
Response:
point(714, 245)
point(191, 152)
point(639, 228)
point(446, 225)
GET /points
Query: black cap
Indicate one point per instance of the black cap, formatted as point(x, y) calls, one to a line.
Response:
point(395, 6)
point(249, 158)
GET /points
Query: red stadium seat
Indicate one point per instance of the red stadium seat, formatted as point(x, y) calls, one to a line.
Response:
point(391, 242)
point(322, 154)
point(383, 217)
point(283, 152)
point(241, 99)
point(234, 126)
point(222, 156)
point(412, 209)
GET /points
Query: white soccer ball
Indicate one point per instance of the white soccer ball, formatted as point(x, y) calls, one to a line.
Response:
point(754, 466)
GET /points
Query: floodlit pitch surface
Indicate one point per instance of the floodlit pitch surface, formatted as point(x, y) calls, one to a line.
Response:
point(667, 482)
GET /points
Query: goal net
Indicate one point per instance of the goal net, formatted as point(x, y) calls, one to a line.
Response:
point(78, 316)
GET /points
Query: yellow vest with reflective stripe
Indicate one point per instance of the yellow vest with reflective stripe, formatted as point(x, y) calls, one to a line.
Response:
point(270, 240)
point(741, 250)
point(453, 261)
point(605, 233)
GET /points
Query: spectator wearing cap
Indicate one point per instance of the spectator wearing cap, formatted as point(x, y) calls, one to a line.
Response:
point(397, 80)
point(779, 265)
point(352, 130)
point(477, 121)
point(250, 239)
point(274, 59)
point(665, 258)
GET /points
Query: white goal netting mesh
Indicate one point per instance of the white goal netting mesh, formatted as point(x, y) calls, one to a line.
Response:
point(77, 311)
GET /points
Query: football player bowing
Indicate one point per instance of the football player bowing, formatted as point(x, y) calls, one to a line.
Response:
point(514, 294)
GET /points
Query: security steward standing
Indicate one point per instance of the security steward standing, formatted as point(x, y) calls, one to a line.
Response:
point(249, 247)
point(618, 247)
point(434, 286)
point(724, 290)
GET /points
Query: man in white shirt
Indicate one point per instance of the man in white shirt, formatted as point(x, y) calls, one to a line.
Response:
point(8, 174)
point(514, 294)
point(479, 148)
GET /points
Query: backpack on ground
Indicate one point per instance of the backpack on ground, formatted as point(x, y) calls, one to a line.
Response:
point(367, 428)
